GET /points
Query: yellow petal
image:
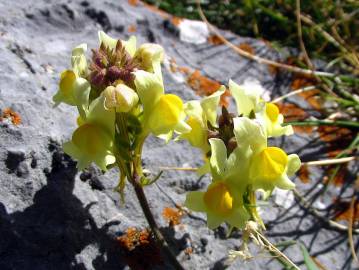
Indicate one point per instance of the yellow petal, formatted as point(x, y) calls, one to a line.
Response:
point(67, 80)
point(294, 164)
point(269, 164)
point(149, 88)
point(194, 201)
point(149, 53)
point(218, 199)
point(78, 60)
point(218, 158)
point(121, 97)
point(80, 121)
point(249, 133)
point(247, 96)
point(197, 137)
point(166, 114)
point(210, 105)
point(238, 217)
point(272, 112)
point(90, 139)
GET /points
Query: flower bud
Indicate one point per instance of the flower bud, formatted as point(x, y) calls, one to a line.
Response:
point(148, 53)
point(121, 97)
point(232, 144)
point(212, 134)
point(97, 77)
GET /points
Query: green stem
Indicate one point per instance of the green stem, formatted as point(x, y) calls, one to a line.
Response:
point(133, 170)
point(140, 140)
point(151, 221)
point(338, 123)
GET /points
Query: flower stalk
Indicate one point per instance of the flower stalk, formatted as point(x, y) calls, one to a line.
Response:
point(135, 181)
point(133, 172)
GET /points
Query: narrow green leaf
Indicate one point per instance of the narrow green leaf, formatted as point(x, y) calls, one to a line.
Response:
point(309, 263)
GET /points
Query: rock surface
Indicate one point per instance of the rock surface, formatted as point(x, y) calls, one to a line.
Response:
point(54, 217)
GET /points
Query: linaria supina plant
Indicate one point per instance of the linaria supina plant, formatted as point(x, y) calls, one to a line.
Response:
point(120, 98)
point(240, 161)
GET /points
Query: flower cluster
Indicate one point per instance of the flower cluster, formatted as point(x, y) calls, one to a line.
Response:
point(120, 98)
point(240, 160)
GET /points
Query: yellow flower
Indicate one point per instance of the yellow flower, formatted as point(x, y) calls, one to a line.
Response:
point(150, 56)
point(219, 204)
point(92, 141)
point(122, 98)
point(223, 200)
point(269, 166)
point(74, 90)
point(274, 120)
point(78, 60)
point(248, 100)
point(199, 113)
point(247, 97)
point(130, 45)
point(162, 113)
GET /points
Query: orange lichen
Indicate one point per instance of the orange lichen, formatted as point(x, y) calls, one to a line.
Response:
point(303, 174)
point(8, 113)
point(312, 97)
point(204, 86)
point(139, 249)
point(214, 40)
point(332, 133)
point(341, 176)
point(273, 70)
point(133, 2)
point(343, 211)
point(155, 9)
point(336, 138)
point(188, 251)
point(319, 264)
point(184, 70)
point(292, 112)
point(176, 20)
point(246, 47)
point(132, 28)
point(175, 68)
point(172, 215)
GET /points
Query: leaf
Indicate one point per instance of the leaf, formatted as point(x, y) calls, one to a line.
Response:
point(309, 263)
point(146, 181)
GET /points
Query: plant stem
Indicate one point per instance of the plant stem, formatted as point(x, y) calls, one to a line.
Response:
point(153, 225)
point(329, 161)
point(301, 90)
point(133, 170)
point(274, 249)
point(339, 123)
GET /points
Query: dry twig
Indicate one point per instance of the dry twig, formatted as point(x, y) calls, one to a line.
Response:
point(329, 161)
point(296, 92)
point(331, 223)
point(300, 37)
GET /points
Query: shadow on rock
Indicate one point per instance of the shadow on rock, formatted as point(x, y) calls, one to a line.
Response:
point(56, 228)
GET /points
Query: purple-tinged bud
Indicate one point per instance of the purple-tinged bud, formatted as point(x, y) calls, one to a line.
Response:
point(113, 73)
point(97, 78)
point(232, 144)
point(212, 134)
